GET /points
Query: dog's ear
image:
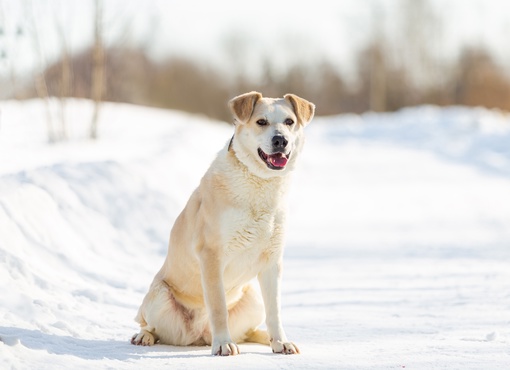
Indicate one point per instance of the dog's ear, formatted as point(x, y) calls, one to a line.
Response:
point(303, 108)
point(242, 106)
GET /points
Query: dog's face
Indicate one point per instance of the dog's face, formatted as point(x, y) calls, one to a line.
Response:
point(269, 132)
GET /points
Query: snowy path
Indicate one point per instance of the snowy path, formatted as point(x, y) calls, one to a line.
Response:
point(398, 249)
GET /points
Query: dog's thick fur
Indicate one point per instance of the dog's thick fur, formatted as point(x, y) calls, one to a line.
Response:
point(231, 231)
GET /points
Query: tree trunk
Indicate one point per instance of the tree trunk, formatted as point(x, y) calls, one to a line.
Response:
point(98, 69)
point(64, 84)
point(377, 80)
point(42, 92)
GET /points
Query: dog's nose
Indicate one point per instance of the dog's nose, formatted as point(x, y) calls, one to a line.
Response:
point(279, 142)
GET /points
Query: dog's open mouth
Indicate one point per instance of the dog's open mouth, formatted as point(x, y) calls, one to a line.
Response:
point(276, 161)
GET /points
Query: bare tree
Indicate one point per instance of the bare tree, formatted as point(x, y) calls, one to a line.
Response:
point(40, 80)
point(377, 79)
point(98, 67)
point(11, 35)
point(64, 88)
point(421, 35)
point(12, 70)
point(377, 62)
point(481, 81)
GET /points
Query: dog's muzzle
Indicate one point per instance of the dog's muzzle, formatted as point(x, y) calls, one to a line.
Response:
point(275, 161)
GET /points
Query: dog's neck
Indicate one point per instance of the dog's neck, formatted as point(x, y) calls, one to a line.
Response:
point(272, 186)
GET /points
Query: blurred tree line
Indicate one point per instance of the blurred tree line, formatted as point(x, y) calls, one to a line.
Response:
point(391, 72)
point(189, 85)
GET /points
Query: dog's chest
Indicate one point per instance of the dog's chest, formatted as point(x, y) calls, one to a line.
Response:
point(252, 230)
point(251, 224)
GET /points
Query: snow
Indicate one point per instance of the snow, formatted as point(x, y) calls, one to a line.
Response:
point(397, 255)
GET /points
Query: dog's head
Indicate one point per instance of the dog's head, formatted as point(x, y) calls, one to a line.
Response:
point(269, 132)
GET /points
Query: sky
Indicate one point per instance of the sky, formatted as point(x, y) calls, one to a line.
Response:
point(228, 32)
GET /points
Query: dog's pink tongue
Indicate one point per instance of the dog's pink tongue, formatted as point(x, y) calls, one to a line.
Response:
point(278, 160)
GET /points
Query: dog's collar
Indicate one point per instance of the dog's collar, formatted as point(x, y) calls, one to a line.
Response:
point(230, 144)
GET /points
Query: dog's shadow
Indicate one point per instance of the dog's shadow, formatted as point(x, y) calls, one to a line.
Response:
point(90, 349)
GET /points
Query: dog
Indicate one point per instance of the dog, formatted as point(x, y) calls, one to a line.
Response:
point(231, 231)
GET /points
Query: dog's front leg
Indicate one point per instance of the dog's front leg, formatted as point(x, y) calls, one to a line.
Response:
point(214, 295)
point(270, 281)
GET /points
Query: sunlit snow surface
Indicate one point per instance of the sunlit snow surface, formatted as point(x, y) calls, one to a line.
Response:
point(398, 246)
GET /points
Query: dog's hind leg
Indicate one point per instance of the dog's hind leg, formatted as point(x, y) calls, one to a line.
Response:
point(162, 318)
point(246, 316)
point(144, 338)
point(258, 336)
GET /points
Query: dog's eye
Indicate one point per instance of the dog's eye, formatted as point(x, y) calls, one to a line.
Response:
point(289, 122)
point(262, 122)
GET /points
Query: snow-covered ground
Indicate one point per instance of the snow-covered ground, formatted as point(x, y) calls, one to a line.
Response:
point(398, 252)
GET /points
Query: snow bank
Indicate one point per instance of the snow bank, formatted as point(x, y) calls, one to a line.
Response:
point(398, 243)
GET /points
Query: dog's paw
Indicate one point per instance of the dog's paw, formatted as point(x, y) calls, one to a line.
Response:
point(287, 348)
point(144, 338)
point(225, 349)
